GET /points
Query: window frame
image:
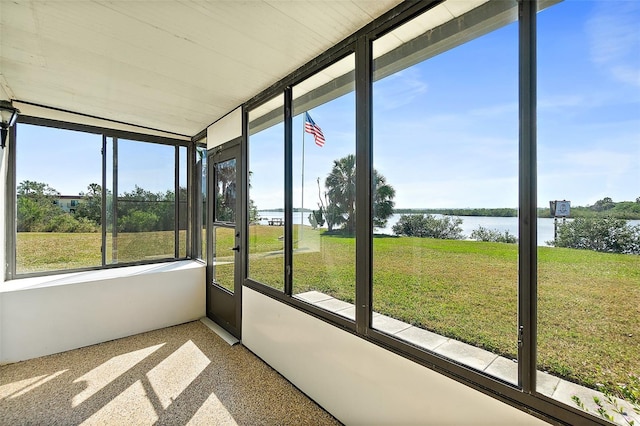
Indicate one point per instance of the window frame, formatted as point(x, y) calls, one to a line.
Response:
point(11, 182)
point(522, 395)
point(194, 182)
point(286, 89)
point(246, 146)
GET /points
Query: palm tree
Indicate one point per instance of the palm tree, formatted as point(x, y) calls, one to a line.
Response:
point(341, 196)
point(341, 191)
point(383, 203)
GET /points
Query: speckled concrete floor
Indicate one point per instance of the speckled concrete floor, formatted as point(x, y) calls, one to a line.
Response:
point(178, 375)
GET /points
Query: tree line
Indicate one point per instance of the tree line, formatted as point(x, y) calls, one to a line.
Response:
point(138, 210)
point(603, 234)
point(488, 212)
point(606, 207)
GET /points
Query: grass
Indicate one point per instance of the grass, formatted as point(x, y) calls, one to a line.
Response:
point(588, 302)
point(36, 251)
point(460, 289)
point(266, 255)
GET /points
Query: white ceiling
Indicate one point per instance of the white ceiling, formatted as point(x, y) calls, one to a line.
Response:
point(175, 66)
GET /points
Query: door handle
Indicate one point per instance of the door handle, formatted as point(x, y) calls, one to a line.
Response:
point(236, 248)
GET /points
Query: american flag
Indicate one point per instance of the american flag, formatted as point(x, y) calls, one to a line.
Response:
point(311, 127)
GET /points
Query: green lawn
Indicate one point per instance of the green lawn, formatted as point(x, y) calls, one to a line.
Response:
point(588, 302)
point(44, 251)
point(461, 289)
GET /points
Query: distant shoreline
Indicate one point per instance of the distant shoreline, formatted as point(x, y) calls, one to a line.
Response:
point(578, 211)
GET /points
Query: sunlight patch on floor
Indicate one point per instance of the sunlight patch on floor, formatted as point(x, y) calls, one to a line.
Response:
point(120, 410)
point(212, 411)
point(19, 388)
point(172, 376)
point(107, 372)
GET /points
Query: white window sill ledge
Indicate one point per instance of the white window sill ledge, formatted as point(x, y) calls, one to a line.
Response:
point(97, 275)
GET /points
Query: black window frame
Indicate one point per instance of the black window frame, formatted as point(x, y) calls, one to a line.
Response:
point(10, 209)
point(287, 237)
point(197, 215)
point(285, 88)
point(524, 395)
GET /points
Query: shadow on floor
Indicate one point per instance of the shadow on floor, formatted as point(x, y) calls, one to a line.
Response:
point(178, 375)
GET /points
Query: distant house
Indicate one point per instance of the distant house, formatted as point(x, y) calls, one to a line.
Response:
point(68, 203)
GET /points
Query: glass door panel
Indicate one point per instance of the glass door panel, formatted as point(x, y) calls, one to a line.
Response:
point(225, 175)
point(224, 257)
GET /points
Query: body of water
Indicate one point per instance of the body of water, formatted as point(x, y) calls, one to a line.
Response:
point(469, 223)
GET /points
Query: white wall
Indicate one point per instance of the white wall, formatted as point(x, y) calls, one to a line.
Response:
point(357, 381)
point(46, 315)
point(226, 129)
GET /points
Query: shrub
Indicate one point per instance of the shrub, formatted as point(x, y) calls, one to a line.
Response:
point(606, 235)
point(493, 235)
point(67, 223)
point(138, 221)
point(429, 226)
point(86, 225)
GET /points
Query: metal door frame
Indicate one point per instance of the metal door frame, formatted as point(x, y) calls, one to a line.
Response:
point(230, 315)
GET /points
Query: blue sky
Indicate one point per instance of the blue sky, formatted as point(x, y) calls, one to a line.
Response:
point(589, 111)
point(446, 130)
point(75, 161)
point(65, 160)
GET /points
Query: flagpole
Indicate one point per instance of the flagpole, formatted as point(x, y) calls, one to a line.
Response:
point(302, 195)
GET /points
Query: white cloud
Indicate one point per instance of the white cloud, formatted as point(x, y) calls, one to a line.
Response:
point(555, 101)
point(627, 74)
point(399, 89)
point(508, 109)
point(451, 191)
point(614, 39)
point(588, 175)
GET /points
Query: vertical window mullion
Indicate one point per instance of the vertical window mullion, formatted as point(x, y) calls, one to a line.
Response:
point(114, 203)
point(244, 209)
point(196, 209)
point(288, 190)
point(364, 202)
point(11, 207)
point(176, 203)
point(527, 261)
point(103, 202)
point(189, 201)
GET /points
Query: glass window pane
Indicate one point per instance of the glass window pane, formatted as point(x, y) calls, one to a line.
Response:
point(224, 257)
point(59, 200)
point(111, 240)
point(201, 202)
point(445, 131)
point(183, 214)
point(324, 196)
point(589, 156)
point(145, 202)
point(225, 191)
point(266, 193)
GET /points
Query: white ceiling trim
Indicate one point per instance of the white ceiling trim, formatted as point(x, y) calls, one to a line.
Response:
point(226, 129)
point(69, 117)
point(175, 66)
